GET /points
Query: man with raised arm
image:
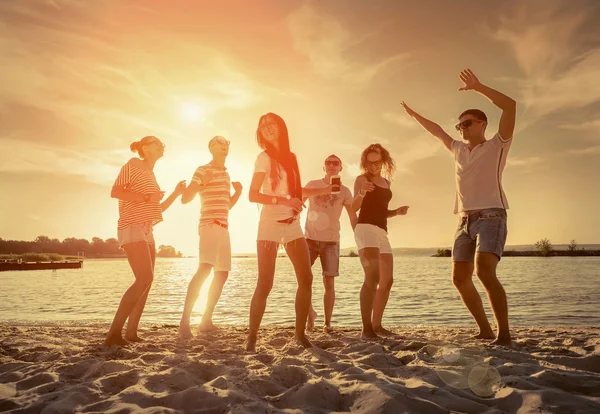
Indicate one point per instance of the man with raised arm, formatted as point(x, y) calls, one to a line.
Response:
point(481, 203)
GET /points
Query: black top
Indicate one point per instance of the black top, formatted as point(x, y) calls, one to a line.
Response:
point(374, 208)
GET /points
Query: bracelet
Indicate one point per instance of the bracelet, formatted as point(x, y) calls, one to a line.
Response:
point(147, 198)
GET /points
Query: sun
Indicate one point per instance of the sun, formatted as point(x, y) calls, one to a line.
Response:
point(192, 112)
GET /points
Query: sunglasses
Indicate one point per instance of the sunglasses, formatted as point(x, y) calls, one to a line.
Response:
point(267, 125)
point(160, 144)
point(221, 141)
point(332, 163)
point(374, 163)
point(465, 124)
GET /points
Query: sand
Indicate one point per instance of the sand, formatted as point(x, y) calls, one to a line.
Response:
point(57, 369)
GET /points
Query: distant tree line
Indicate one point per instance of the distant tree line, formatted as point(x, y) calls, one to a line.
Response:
point(71, 246)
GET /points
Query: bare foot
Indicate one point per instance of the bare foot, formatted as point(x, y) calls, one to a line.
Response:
point(185, 332)
point(251, 344)
point(115, 340)
point(369, 335)
point(303, 340)
point(502, 340)
point(133, 338)
point(484, 335)
point(310, 324)
point(382, 331)
point(207, 327)
point(327, 329)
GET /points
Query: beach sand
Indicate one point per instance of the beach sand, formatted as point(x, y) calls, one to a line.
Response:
point(57, 369)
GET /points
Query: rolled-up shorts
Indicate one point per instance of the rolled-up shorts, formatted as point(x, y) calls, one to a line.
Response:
point(484, 231)
point(369, 235)
point(328, 252)
point(136, 233)
point(215, 247)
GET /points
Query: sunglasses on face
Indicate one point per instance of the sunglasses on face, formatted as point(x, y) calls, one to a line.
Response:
point(333, 163)
point(269, 125)
point(374, 163)
point(465, 124)
point(221, 142)
point(160, 144)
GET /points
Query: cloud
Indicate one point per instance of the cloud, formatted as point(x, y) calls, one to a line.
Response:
point(551, 45)
point(401, 119)
point(589, 126)
point(586, 151)
point(327, 43)
point(523, 161)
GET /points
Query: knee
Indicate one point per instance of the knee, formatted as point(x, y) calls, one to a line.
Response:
point(306, 280)
point(263, 287)
point(460, 280)
point(145, 282)
point(386, 284)
point(371, 281)
point(329, 286)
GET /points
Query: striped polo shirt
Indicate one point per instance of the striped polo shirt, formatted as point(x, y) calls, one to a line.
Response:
point(138, 179)
point(479, 174)
point(215, 195)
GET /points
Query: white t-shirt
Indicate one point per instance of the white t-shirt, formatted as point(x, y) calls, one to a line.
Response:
point(324, 211)
point(479, 174)
point(272, 211)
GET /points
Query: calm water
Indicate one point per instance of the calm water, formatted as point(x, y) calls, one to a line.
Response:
point(541, 291)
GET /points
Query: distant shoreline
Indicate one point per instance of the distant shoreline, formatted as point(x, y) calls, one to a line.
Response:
point(532, 253)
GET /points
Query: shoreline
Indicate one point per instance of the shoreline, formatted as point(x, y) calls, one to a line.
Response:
point(420, 369)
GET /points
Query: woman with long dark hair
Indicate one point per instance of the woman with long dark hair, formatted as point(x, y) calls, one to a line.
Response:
point(372, 195)
point(277, 187)
point(140, 208)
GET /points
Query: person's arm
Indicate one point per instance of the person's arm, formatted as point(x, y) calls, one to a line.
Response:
point(430, 126)
point(255, 196)
point(201, 177)
point(351, 215)
point(237, 186)
point(361, 187)
point(508, 105)
point(400, 211)
point(311, 192)
point(179, 189)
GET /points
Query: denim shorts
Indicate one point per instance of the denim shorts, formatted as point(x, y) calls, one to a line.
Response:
point(328, 252)
point(132, 234)
point(483, 232)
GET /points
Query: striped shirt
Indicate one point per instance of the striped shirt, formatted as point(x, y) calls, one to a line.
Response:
point(138, 179)
point(215, 195)
point(479, 174)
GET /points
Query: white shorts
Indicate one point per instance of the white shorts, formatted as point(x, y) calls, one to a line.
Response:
point(215, 247)
point(271, 230)
point(369, 235)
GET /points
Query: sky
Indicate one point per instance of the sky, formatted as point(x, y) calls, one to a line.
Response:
point(81, 80)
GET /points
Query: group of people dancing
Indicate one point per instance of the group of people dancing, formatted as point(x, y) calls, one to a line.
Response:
point(276, 186)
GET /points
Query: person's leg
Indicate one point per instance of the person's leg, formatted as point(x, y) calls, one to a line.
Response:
point(194, 287)
point(221, 272)
point(491, 228)
point(138, 255)
point(486, 272)
point(297, 251)
point(266, 256)
point(214, 293)
point(136, 314)
point(463, 254)
point(369, 258)
point(313, 250)
point(386, 279)
point(330, 262)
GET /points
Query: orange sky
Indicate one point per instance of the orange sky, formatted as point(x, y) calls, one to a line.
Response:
point(82, 79)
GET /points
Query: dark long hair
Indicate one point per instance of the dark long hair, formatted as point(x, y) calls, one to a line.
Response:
point(388, 166)
point(281, 157)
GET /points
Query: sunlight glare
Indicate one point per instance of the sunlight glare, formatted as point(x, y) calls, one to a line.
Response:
point(192, 112)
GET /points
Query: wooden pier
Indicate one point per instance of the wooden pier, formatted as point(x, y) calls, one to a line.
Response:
point(15, 265)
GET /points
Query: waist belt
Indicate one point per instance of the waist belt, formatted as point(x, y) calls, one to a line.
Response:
point(287, 220)
point(218, 223)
